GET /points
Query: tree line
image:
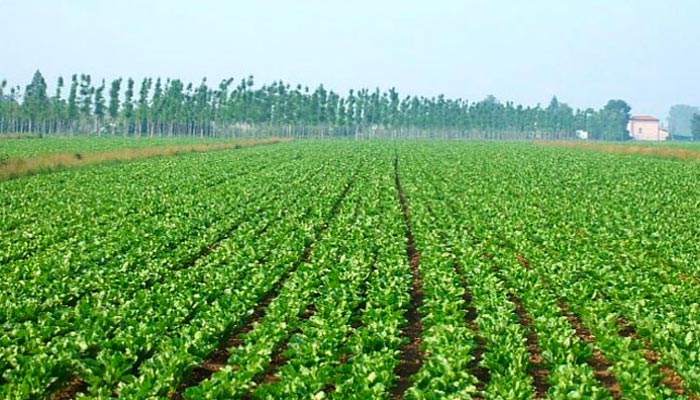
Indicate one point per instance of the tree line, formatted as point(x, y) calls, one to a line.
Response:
point(695, 127)
point(171, 107)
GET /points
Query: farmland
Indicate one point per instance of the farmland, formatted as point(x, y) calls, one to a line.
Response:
point(342, 269)
point(32, 147)
point(35, 155)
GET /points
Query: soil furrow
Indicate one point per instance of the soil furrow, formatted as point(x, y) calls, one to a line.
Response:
point(71, 390)
point(355, 320)
point(482, 374)
point(597, 361)
point(411, 358)
point(219, 358)
point(671, 378)
point(278, 358)
point(538, 365)
point(523, 261)
point(64, 239)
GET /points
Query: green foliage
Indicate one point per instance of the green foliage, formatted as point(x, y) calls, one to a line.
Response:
point(114, 98)
point(174, 107)
point(100, 101)
point(618, 113)
point(695, 127)
point(36, 100)
point(131, 275)
point(86, 93)
point(73, 99)
point(129, 100)
point(680, 118)
point(92, 144)
point(587, 243)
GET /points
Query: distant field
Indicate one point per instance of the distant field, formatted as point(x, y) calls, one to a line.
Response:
point(33, 155)
point(30, 147)
point(674, 144)
point(679, 150)
point(354, 270)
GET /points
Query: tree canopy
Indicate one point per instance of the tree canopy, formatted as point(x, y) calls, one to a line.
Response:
point(695, 127)
point(168, 107)
point(680, 118)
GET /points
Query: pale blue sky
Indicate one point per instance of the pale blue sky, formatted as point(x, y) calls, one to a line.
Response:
point(584, 51)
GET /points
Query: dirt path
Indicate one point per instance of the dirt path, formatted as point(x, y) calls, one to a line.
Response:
point(411, 358)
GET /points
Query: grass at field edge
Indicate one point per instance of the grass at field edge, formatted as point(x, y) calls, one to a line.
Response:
point(16, 167)
point(645, 150)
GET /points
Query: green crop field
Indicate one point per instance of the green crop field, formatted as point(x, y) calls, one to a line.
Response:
point(359, 270)
point(32, 147)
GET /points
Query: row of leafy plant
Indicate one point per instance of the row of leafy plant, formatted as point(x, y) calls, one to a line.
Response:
point(292, 262)
point(573, 234)
point(100, 317)
point(543, 272)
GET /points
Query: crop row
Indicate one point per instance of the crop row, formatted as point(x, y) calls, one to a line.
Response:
point(105, 330)
point(354, 270)
point(290, 276)
point(505, 216)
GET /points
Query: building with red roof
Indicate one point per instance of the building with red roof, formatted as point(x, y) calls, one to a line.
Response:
point(646, 127)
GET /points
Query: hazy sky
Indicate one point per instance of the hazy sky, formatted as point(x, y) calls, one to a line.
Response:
point(584, 51)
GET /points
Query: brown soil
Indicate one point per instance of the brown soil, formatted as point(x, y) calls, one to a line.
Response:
point(626, 330)
point(216, 244)
point(278, 358)
point(220, 357)
point(538, 365)
point(671, 378)
point(523, 261)
point(411, 358)
point(483, 375)
point(598, 361)
point(71, 390)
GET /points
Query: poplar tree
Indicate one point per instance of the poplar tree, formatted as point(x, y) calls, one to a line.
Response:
point(58, 108)
point(36, 102)
point(114, 90)
point(3, 107)
point(142, 109)
point(86, 93)
point(128, 106)
point(113, 107)
point(72, 100)
point(172, 107)
point(99, 107)
point(156, 108)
